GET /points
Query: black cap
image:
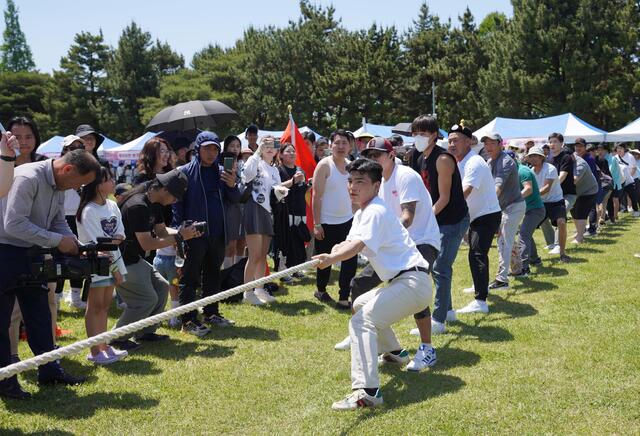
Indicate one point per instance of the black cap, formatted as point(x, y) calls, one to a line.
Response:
point(457, 128)
point(252, 128)
point(122, 188)
point(581, 141)
point(175, 182)
point(86, 129)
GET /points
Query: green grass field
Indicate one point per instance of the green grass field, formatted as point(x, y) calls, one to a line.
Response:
point(559, 353)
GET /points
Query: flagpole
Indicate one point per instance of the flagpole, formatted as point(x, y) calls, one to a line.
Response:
point(292, 132)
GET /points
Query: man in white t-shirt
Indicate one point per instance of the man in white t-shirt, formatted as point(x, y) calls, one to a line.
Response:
point(378, 233)
point(552, 197)
point(484, 211)
point(403, 191)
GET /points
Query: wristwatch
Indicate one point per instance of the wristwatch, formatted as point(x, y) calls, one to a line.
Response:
point(8, 158)
point(317, 226)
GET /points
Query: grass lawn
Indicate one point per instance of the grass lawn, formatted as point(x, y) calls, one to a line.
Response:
point(558, 353)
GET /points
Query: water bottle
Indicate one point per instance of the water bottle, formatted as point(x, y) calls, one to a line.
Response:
point(179, 262)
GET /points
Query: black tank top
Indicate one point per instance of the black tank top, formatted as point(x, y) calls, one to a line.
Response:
point(457, 209)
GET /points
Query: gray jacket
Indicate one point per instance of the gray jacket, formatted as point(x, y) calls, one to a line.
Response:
point(33, 212)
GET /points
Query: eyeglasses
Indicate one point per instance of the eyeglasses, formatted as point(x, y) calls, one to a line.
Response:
point(76, 146)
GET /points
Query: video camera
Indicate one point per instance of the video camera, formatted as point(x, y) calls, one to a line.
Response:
point(62, 266)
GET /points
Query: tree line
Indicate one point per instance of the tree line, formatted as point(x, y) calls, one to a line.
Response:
point(550, 57)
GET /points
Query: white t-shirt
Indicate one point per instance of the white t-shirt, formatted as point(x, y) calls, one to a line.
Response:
point(102, 221)
point(405, 186)
point(631, 160)
point(388, 246)
point(625, 168)
point(263, 178)
point(475, 172)
point(549, 172)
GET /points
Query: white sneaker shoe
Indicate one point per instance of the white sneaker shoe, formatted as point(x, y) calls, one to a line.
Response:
point(635, 214)
point(250, 297)
point(451, 316)
point(358, 399)
point(344, 345)
point(399, 359)
point(425, 358)
point(264, 296)
point(470, 290)
point(550, 247)
point(437, 328)
point(476, 306)
point(414, 332)
point(555, 250)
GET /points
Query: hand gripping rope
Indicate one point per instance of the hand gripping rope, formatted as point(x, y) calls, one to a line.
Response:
point(109, 336)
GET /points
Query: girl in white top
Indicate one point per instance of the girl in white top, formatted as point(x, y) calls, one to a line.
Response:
point(258, 224)
point(99, 217)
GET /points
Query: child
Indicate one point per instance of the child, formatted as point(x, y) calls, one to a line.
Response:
point(97, 217)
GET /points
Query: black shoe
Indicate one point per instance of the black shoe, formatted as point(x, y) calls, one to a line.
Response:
point(564, 258)
point(13, 391)
point(218, 321)
point(15, 358)
point(271, 288)
point(62, 378)
point(323, 296)
point(153, 337)
point(537, 262)
point(523, 274)
point(126, 345)
point(344, 307)
point(497, 285)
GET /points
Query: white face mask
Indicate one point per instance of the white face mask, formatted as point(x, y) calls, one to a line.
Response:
point(421, 142)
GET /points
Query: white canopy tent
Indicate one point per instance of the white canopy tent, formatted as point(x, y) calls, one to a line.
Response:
point(52, 147)
point(570, 126)
point(131, 150)
point(276, 134)
point(630, 132)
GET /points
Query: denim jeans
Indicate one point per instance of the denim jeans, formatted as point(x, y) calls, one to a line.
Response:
point(450, 237)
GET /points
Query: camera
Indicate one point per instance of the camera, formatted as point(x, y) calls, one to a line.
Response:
point(200, 226)
point(61, 266)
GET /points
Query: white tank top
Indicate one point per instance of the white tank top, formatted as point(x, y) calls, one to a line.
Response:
point(336, 203)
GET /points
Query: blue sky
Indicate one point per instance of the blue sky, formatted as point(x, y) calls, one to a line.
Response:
point(189, 25)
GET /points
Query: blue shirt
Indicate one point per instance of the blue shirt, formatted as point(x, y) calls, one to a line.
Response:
point(211, 183)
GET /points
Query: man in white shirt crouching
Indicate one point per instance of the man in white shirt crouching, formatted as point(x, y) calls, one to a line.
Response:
point(377, 232)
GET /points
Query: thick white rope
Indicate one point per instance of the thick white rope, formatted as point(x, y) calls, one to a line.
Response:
point(109, 336)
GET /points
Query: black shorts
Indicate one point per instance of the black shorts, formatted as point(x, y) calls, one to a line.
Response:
point(617, 193)
point(583, 206)
point(555, 211)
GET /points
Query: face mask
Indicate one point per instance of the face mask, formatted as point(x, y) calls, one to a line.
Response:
point(421, 143)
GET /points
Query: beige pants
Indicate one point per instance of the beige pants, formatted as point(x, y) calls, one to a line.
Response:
point(370, 326)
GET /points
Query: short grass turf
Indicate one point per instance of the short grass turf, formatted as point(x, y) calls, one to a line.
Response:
point(558, 353)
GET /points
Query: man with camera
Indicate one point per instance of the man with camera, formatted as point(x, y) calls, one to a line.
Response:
point(33, 216)
point(209, 185)
point(144, 289)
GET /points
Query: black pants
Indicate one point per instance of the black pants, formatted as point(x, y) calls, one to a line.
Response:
point(632, 194)
point(333, 235)
point(204, 257)
point(71, 220)
point(368, 279)
point(34, 305)
point(481, 233)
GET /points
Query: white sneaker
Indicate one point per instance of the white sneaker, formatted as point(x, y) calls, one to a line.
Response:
point(636, 214)
point(555, 250)
point(175, 323)
point(451, 316)
point(264, 296)
point(437, 328)
point(115, 353)
point(476, 306)
point(425, 358)
point(414, 332)
point(550, 246)
point(358, 399)
point(78, 304)
point(250, 298)
point(575, 241)
point(399, 359)
point(343, 345)
point(470, 290)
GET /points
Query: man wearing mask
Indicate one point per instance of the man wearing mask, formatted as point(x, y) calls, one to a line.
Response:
point(33, 215)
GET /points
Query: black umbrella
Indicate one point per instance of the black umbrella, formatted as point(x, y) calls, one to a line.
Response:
point(192, 115)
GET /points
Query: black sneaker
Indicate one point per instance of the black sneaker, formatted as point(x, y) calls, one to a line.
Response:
point(153, 337)
point(342, 306)
point(497, 285)
point(298, 275)
point(536, 262)
point(13, 391)
point(218, 321)
point(523, 274)
point(195, 328)
point(323, 297)
point(14, 358)
point(564, 258)
point(287, 280)
point(62, 378)
point(126, 345)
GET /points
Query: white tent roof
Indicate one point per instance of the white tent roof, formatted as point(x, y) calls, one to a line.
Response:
point(568, 124)
point(276, 134)
point(130, 150)
point(630, 132)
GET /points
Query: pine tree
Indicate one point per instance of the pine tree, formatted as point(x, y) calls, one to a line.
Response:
point(16, 54)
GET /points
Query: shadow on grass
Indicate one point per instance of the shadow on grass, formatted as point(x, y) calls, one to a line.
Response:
point(299, 308)
point(531, 285)
point(484, 333)
point(573, 259)
point(178, 350)
point(511, 308)
point(133, 366)
point(601, 241)
point(451, 357)
point(243, 332)
point(17, 431)
point(548, 269)
point(65, 403)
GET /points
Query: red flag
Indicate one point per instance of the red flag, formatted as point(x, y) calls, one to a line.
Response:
point(304, 159)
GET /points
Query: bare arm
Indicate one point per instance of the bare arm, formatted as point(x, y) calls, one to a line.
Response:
point(467, 191)
point(319, 183)
point(408, 213)
point(527, 190)
point(347, 250)
point(562, 176)
point(446, 168)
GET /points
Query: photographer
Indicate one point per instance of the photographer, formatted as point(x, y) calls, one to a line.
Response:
point(8, 145)
point(145, 290)
point(210, 186)
point(33, 215)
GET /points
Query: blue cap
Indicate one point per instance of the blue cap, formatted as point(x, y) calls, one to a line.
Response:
point(207, 138)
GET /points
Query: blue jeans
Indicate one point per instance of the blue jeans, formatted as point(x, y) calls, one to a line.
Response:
point(450, 237)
